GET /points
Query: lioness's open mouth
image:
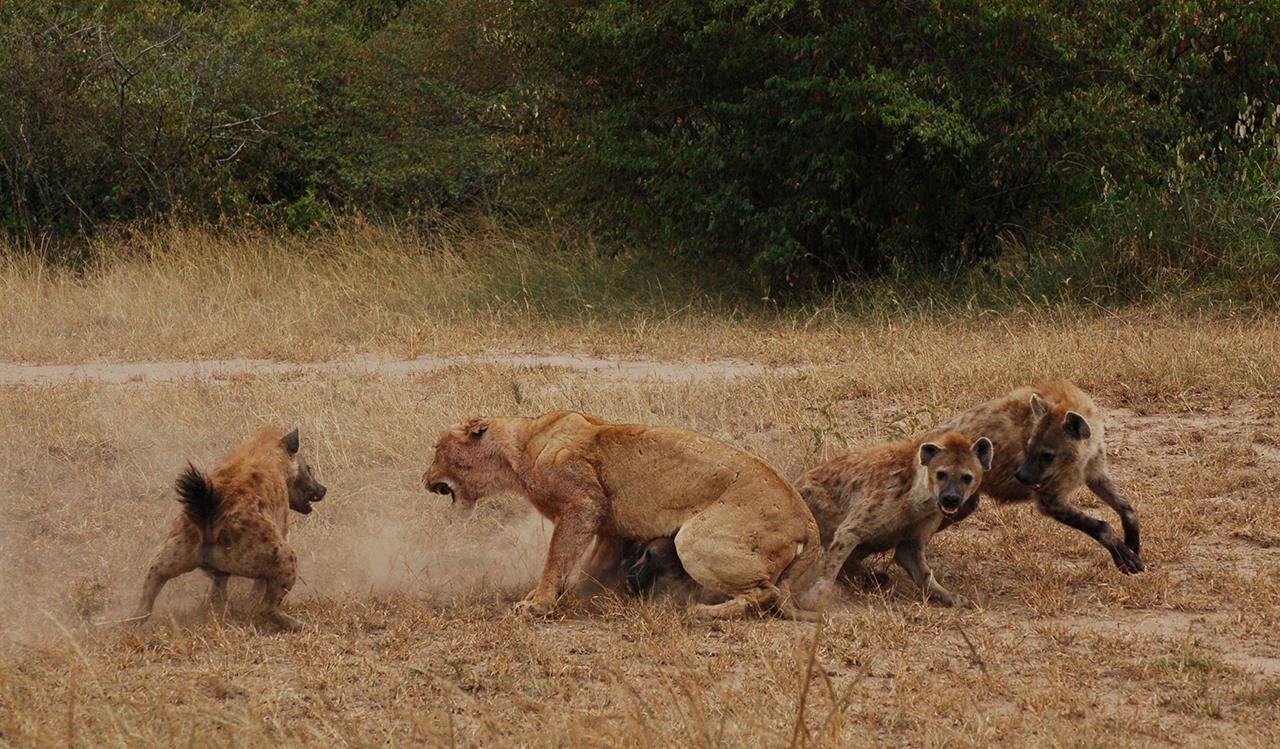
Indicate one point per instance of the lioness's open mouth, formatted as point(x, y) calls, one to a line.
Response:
point(441, 487)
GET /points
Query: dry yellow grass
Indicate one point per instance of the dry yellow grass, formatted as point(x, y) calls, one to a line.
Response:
point(412, 638)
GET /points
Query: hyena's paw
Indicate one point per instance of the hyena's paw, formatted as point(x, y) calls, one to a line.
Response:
point(817, 597)
point(1126, 559)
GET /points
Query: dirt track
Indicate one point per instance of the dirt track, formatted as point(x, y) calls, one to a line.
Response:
point(220, 369)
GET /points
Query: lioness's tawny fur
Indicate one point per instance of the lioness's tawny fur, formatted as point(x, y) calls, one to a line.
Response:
point(889, 497)
point(1048, 442)
point(739, 528)
point(235, 521)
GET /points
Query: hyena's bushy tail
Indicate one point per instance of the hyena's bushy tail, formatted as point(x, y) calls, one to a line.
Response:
point(200, 501)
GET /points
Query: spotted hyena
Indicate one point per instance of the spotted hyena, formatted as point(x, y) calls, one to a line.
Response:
point(892, 496)
point(1049, 441)
point(235, 520)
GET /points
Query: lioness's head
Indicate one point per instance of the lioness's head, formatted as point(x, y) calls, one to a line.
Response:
point(303, 487)
point(954, 467)
point(470, 463)
point(1054, 445)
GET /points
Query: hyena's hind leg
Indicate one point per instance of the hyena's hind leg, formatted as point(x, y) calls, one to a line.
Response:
point(179, 554)
point(1100, 483)
point(218, 593)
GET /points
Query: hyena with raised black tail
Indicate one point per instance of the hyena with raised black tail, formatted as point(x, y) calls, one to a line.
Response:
point(1048, 442)
point(235, 521)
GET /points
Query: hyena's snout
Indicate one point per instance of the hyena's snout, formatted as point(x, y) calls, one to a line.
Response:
point(950, 502)
point(1028, 475)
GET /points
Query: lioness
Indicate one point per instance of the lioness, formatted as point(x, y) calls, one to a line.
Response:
point(1048, 441)
point(739, 528)
point(889, 497)
point(234, 522)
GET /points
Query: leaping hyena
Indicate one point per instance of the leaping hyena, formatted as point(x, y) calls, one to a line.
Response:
point(1048, 442)
point(235, 520)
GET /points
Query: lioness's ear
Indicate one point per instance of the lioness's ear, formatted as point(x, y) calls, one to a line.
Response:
point(983, 450)
point(290, 442)
point(1038, 407)
point(1076, 427)
point(477, 428)
point(928, 451)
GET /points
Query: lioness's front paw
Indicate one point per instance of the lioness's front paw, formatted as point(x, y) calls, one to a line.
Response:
point(535, 606)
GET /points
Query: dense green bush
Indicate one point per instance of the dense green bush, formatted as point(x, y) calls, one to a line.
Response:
point(123, 109)
point(817, 140)
point(788, 144)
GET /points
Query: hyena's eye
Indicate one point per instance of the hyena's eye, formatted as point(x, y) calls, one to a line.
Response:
point(967, 478)
point(942, 475)
point(1046, 456)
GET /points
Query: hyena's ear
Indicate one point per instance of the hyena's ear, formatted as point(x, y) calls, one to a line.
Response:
point(291, 442)
point(1038, 408)
point(983, 450)
point(1076, 427)
point(928, 451)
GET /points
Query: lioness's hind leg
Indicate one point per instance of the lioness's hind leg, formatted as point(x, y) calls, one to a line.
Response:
point(727, 560)
point(738, 606)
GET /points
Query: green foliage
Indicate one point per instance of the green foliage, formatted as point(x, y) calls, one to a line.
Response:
point(1100, 150)
point(1209, 230)
point(816, 140)
point(116, 110)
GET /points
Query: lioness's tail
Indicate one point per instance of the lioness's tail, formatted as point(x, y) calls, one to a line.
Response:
point(200, 501)
point(808, 555)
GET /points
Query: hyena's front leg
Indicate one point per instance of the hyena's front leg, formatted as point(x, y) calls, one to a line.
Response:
point(1102, 485)
point(276, 582)
point(858, 573)
point(817, 586)
point(910, 555)
point(1059, 509)
point(258, 551)
point(604, 567)
point(179, 554)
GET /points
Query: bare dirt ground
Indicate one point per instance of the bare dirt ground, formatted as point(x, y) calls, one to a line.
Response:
point(411, 638)
point(624, 370)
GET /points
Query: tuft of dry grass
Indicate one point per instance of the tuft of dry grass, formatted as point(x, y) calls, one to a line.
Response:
point(412, 639)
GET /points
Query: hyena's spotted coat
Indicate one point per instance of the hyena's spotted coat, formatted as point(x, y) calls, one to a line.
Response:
point(235, 522)
point(1048, 442)
point(889, 497)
